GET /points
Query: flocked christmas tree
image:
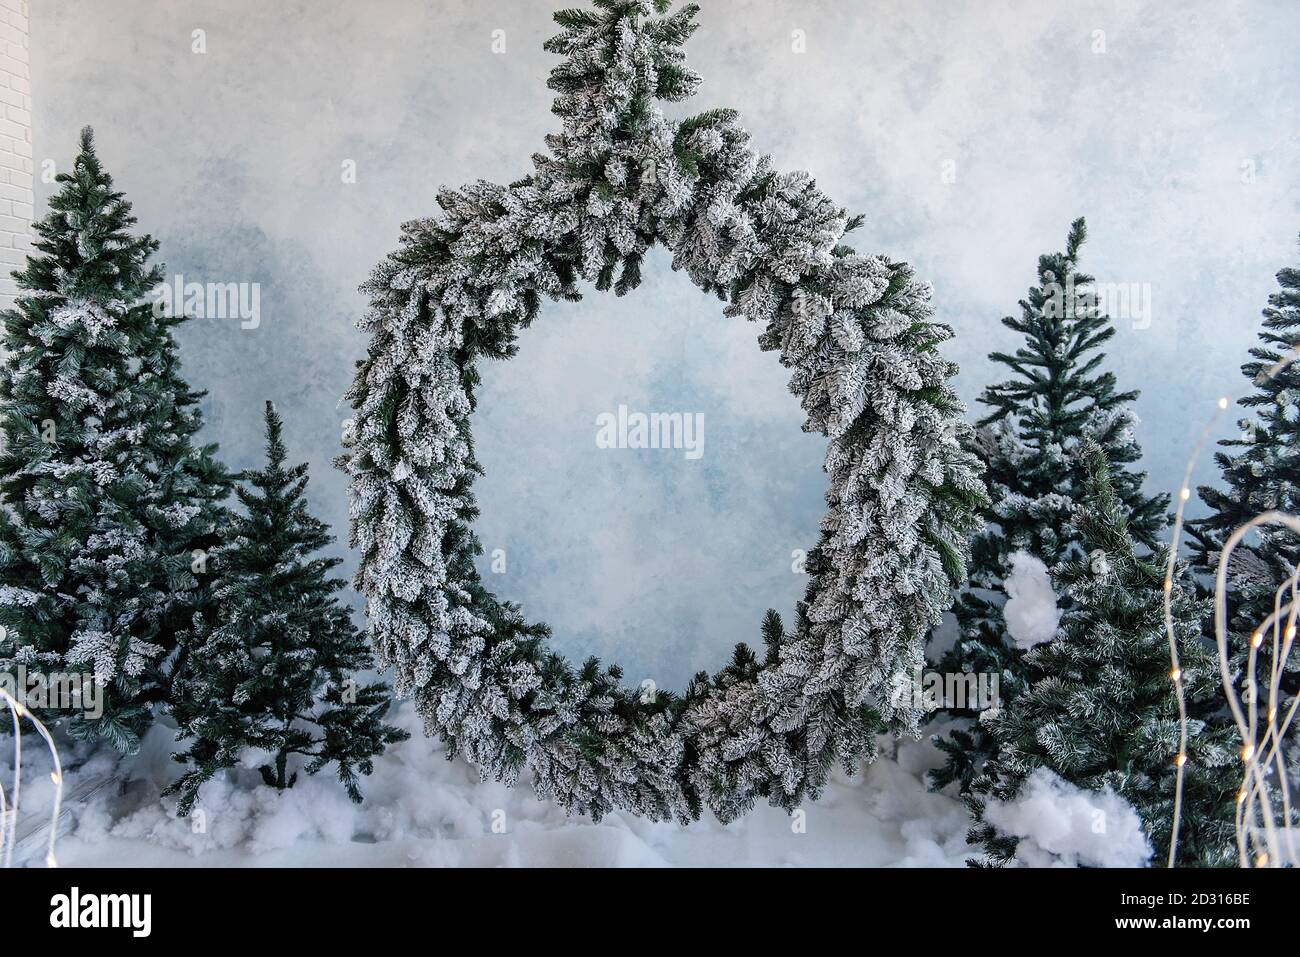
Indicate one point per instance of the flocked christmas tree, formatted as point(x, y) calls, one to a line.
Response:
point(106, 498)
point(1029, 442)
point(1099, 706)
point(1262, 472)
point(276, 671)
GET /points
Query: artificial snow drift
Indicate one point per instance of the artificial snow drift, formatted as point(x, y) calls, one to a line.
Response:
point(1062, 825)
point(1030, 612)
point(423, 810)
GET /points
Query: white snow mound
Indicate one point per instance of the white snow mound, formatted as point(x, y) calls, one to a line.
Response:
point(1062, 825)
point(1030, 612)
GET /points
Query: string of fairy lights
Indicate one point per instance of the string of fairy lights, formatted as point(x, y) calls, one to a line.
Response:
point(1257, 831)
point(10, 803)
point(1260, 841)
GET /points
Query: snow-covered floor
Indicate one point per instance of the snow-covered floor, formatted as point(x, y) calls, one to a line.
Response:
point(421, 810)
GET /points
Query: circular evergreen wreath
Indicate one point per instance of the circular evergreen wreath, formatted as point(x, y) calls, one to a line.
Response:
point(856, 330)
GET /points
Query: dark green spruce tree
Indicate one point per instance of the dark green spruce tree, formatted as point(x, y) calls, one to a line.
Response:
point(275, 671)
point(105, 495)
point(1056, 397)
point(1099, 707)
point(1261, 470)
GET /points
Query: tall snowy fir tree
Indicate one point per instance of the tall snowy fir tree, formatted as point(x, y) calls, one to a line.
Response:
point(1099, 706)
point(275, 672)
point(105, 496)
point(1057, 396)
point(1261, 469)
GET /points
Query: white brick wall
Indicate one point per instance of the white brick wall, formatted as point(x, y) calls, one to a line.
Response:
point(16, 197)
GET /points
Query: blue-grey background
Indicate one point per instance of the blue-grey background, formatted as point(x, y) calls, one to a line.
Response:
point(1146, 117)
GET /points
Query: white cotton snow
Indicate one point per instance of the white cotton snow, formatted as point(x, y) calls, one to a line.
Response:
point(1062, 825)
point(1030, 612)
point(424, 810)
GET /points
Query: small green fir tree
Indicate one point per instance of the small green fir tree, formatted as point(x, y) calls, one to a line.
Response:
point(1056, 397)
point(275, 672)
point(1100, 706)
point(1262, 471)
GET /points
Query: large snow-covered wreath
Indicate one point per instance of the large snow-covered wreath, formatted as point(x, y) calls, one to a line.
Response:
point(859, 335)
